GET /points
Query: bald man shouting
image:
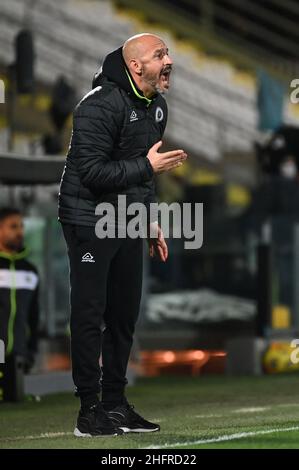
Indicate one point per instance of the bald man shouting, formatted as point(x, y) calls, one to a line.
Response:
point(114, 151)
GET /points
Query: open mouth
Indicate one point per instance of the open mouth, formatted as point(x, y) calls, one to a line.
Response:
point(165, 76)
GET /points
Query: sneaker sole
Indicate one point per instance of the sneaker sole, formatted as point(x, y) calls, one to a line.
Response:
point(78, 433)
point(126, 430)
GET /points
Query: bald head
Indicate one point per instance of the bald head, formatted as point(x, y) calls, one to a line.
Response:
point(137, 46)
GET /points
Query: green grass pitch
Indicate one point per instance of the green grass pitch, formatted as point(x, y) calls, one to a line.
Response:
point(194, 413)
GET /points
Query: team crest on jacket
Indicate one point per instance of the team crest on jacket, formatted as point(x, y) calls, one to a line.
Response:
point(159, 114)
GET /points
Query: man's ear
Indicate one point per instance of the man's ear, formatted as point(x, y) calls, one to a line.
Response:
point(135, 66)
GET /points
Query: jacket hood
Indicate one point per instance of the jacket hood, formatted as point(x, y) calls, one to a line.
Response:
point(114, 68)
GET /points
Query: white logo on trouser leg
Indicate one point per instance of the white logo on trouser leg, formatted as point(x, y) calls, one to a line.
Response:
point(87, 258)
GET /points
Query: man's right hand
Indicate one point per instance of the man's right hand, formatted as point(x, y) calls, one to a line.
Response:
point(167, 160)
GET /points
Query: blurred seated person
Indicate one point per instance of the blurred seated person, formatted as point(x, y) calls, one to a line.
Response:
point(278, 160)
point(19, 280)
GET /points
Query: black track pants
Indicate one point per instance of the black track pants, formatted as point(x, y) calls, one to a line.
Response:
point(106, 282)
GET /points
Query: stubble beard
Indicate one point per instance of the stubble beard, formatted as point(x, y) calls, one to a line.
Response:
point(152, 80)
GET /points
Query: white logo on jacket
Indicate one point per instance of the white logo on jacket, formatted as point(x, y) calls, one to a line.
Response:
point(2, 352)
point(133, 116)
point(159, 114)
point(18, 279)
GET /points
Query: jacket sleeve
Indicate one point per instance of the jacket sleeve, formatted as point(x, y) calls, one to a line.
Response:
point(149, 199)
point(95, 132)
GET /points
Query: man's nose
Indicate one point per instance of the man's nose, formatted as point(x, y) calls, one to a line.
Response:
point(168, 60)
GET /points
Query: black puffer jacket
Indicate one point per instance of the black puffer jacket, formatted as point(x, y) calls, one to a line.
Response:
point(19, 307)
point(114, 127)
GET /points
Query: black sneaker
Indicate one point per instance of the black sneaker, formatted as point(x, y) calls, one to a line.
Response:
point(125, 418)
point(94, 422)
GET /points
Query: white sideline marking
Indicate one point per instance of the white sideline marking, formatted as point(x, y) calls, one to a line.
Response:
point(226, 437)
point(252, 409)
point(46, 435)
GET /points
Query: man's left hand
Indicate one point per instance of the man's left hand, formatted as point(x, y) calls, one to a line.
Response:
point(157, 243)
